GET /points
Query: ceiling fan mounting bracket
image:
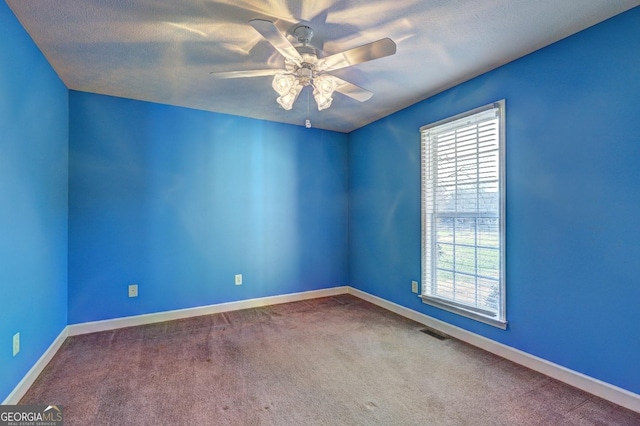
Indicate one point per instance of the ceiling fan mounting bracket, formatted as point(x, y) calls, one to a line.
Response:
point(303, 33)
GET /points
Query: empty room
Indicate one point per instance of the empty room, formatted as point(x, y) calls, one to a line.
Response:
point(320, 213)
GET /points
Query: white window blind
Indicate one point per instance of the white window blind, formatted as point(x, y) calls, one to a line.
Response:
point(463, 214)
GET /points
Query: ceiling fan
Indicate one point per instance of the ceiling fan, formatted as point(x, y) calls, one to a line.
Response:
point(303, 67)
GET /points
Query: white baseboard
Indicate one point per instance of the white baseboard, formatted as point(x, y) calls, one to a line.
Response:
point(21, 389)
point(596, 387)
point(90, 327)
point(112, 324)
point(588, 384)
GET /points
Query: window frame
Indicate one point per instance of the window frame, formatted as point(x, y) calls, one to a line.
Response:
point(428, 236)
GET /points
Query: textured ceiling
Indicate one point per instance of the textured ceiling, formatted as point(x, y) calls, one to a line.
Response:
point(163, 50)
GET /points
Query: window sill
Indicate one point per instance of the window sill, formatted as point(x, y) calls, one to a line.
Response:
point(445, 305)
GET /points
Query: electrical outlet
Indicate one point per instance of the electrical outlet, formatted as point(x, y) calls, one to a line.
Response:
point(133, 290)
point(238, 279)
point(16, 344)
point(414, 286)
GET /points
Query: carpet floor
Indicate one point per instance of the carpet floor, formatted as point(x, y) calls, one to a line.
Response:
point(329, 361)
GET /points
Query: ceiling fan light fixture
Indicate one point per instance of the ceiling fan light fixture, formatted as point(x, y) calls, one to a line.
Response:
point(322, 100)
point(286, 100)
point(323, 88)
point(283, 83)
point(325, 84)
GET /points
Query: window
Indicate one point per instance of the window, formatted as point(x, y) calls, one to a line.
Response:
point(463, 214)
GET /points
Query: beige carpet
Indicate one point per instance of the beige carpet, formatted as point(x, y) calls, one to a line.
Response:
point(329, 361)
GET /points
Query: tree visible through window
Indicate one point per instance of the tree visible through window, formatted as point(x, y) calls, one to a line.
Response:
point(463, 214)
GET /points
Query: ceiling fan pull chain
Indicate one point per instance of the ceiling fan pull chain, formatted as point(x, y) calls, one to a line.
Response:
point(307, 122)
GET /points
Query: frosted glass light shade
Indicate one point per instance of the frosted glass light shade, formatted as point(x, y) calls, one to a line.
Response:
point(325, 84)
point(286, 100)
point(282, 83)
point(322, 101)
point(323, 88)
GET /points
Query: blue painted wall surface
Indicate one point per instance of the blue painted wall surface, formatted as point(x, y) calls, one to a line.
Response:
point(33, 201)
point(178, 201)
point(573, 194)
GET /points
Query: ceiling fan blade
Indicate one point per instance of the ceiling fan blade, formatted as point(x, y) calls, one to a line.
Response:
point(247, 73)
point(367, 52)
point(351, 90)
point(272, 34)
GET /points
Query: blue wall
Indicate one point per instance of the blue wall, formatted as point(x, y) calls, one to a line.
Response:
point(178, 201)
point(573, 194)
point(33, 202)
